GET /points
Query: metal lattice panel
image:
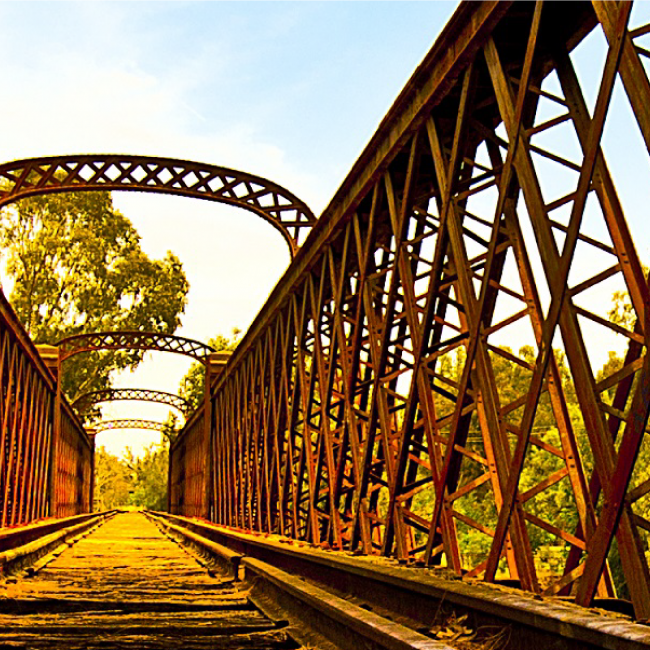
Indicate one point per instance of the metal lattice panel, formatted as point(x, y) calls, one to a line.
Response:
point(377, 405)
point(275, 204)
point(87, 401)
point(44, 469)
point(133, 341)
point(111, 425)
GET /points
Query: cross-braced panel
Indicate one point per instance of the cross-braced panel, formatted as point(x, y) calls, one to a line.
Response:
point(189, 474)
point(423, 383)
point(42, 473)
point(282, 209)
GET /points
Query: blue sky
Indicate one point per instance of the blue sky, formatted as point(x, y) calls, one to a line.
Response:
point(289, 90)
point(306, 81)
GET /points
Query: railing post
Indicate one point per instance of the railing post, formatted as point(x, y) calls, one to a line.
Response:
point(50, 356)
point(170, 475)
point(215, 365)
point(91, 493)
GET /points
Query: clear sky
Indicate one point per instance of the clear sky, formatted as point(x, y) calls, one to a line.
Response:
point(291, 91)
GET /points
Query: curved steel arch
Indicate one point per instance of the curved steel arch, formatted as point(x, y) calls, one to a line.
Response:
point(86, 401)
point(110, 425)
point(133, 340)
point(282, 209)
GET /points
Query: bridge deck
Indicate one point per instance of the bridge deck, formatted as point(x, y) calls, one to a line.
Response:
point(127, 585)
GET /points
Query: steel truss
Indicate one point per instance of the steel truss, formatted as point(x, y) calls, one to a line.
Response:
point(111, 425)
point(282, 209)
point(363, 411)
point(151, 341)
point(88, 400)
point(45, 454)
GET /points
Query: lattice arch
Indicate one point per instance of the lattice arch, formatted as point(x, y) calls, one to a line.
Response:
point(133, 340)
point(111, 425)
point(88, 400)
point(282, 209)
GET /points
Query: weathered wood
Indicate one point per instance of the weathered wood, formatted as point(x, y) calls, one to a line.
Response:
point(125, 586)
point(47, 641)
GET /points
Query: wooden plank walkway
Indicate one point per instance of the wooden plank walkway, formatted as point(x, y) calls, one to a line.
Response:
point(126, 585)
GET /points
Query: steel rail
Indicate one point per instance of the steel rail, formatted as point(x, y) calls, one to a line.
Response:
point(133, 340)
point(415, 597)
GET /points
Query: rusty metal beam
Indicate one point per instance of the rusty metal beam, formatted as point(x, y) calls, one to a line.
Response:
point(376, 404)
point(133, 340)
point(279, 207)
point(126, 423)
point(86, 401)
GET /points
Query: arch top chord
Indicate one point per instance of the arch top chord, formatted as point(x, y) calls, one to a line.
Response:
point(88, 400)
point(133, 340)
point(275, 204)
point(111, 425)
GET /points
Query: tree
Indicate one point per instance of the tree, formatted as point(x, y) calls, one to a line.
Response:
point(192, 384)
point(77, 267)
point(113, 481)
point(149, 477)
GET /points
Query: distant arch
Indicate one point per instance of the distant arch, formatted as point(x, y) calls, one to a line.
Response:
point(110, 425)
point(88, 400)
point(133, 340)
point(46, 175)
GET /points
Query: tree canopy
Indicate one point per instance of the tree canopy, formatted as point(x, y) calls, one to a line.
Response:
point(76, 266)
point(112, 481)
point(131, 481)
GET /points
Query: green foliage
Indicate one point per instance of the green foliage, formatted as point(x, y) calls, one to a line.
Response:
point(622, 313)
point(171, 427)
point(77, 266)
point(150, 477)
point(132, 481)
point(112, 481)
point(192, 385)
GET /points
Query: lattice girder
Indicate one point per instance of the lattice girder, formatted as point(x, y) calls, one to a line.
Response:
point(379, 394)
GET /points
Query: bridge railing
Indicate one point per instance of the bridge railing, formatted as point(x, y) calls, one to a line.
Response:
point(28, 444)
point(74, 454)
point(188, 469)
point(376, 404)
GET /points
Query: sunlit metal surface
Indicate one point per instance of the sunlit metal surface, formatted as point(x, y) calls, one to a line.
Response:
point(282, 209)
point(362, 410)
point(88, 400)
point(150, 341)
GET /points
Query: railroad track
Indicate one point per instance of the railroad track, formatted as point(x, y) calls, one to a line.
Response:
point(119, 583)
point(368, 602)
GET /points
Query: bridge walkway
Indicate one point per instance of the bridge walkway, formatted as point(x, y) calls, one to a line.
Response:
point(126, 585)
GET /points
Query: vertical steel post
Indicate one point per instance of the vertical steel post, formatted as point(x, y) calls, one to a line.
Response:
point(169, 479)
point(51, 358)
point(91, 493)
point(207, 441)
point(216, 362)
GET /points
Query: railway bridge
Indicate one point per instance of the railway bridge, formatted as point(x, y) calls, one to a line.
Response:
point(413, 445)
